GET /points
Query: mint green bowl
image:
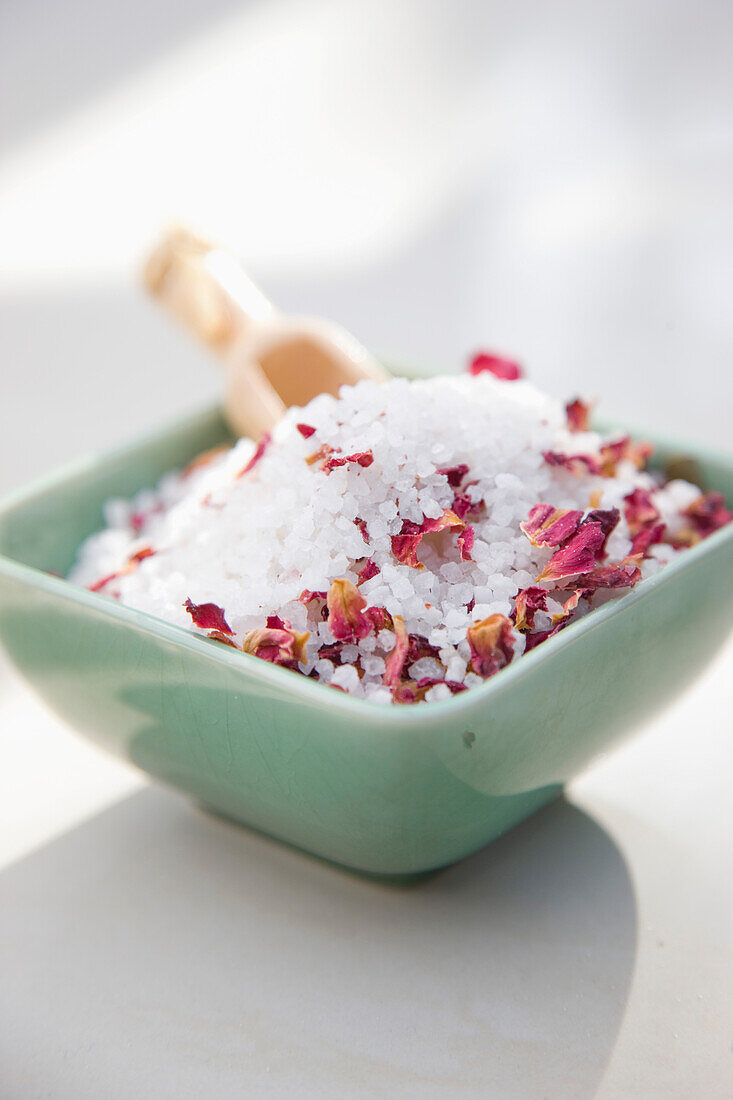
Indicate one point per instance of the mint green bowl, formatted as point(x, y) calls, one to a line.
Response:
point(385, 790)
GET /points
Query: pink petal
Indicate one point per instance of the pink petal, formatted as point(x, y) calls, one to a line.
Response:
point(507, 370)
point(345, 607)
point(208, 616)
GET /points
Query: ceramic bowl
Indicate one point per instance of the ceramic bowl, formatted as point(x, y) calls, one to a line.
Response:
point(387, 790)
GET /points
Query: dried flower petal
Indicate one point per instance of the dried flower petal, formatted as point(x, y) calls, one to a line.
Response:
point(367, 571)
point(575, 464)
point(104, 581)
point(305, 430)
point(307, 595)
point(345, 607)
point(420, 647)
point(404, 545)
point(526, 605)
point(360, 458)
point(208, 616)
point(395, 663)
point(380, 618)
point(578, 415)
point(428, 682)
point(217, 636)
point(260, 449)
point(321, 455)
point(492, 644)
point(640, 510)
point(507, 370)
point(280, 646)
point(623, 575)
point(647, 537)
point(465, 543)
point(624, 450)
point(549, 526)
point(361, 524)
point(578, 555)
point(608, 518)
point(533, 640)
point(708, 513)
point(455, 474)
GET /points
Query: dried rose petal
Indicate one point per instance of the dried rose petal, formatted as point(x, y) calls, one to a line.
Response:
point(640, 510)
point(360, 458)
point(274, 622)
point(624, 575)
point(395, 663)
point(624, 450)
point(260, 449)
point(609, 519)
point(367, 571)
point(492, 644)
point(549, 526)
point(455, 474)
point(208, 616)
point(428, 682)
point(465, 543)
point(405, 692)
point(708, 513)
point(380, 618)
point(217, 636)
point(404, 545)
point(420, 647)
point(305, 430)
point(331, 652)
point(279, 646)
point(578, 555)
point(648, 536)
point(306, 596)
point(526, 605)
point(361, 524)
point(462, 505)
point(345, 607)
point(504, 369)
point(575, 464)
point(578, 415)
point(533, 640)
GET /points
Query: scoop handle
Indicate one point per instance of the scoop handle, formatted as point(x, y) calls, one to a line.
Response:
point(272, 361)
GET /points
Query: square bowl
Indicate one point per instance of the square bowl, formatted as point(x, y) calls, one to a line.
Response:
point(386, 790)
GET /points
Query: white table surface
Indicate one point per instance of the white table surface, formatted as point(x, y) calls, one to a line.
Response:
point(554, 180)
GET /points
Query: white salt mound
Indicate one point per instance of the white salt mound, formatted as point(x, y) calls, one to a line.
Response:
point(252, 544)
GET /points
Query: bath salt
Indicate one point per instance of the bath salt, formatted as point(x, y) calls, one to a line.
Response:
point(404, 541)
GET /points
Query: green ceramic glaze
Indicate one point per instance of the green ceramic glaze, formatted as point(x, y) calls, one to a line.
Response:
point(385, 790)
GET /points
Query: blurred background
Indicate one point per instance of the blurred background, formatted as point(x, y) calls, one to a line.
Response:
point(548, 180)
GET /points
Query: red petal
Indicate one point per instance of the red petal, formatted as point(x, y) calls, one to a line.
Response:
point(208, 616)
point(379, 617)
point(526, 605)
point(361, 524)
point(396, 660)
point(624, 575)
point(305, 430)
point(217, 636)
point(609, 519)
point(548, 526)
point(576, 464)
point(260, 449)
point(100, 584)
point(465, 543)
point(455, 474)
point(578, 555)
point(345, 607)
point(647, 537)
point(404, 545)
point(505, 369)
point(307, 595)
point(360, 458)
point(578, 415)
point(141, 555)
point(639, 510)
point(279, 646)
point(368, 570)
point(492, 644)
point(708, 513)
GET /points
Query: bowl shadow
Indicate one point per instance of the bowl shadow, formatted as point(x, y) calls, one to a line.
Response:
point(157, 950)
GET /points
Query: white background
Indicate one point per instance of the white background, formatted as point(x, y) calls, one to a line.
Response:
point(552, 180)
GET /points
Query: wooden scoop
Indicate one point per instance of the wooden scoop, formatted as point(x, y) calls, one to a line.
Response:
point(272, 361)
